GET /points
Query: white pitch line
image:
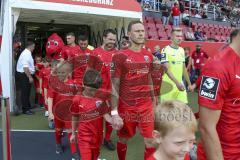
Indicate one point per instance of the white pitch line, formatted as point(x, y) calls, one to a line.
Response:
point(22, 130)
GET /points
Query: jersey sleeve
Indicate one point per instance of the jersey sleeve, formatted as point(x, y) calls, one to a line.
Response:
point(75, 107)
point(117, 65)
point(213, 86)
point(50, 93)
point(164, 56)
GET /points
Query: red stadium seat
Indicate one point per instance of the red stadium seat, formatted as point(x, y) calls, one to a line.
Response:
point(158, 20)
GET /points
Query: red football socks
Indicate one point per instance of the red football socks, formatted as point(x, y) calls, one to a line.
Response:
point(108, 131)
point(73, 146)
point(121, 150)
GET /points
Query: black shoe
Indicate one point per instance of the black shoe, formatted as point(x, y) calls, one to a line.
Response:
point(29, 112)
point(109, 145)
point(75, 156)
point(59, 149)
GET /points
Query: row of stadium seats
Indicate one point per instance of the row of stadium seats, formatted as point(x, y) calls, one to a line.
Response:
point(156, 30)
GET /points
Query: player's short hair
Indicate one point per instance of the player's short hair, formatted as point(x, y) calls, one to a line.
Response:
point(125, 38)
point(29, 44)
point(82, 38)
point(176, 29)
point(233, 34)
point(107, 31)
point(92, 78)
point(70, 34)
point(174, 114)
point(132, 23)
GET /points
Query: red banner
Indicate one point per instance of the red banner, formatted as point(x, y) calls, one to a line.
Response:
point(126, 5)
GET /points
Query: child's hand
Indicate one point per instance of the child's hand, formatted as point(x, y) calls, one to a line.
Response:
point(108, 118)
point(73, 138)
point(50, 116)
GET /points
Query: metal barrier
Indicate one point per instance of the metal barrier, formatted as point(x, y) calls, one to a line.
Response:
point(5, 129)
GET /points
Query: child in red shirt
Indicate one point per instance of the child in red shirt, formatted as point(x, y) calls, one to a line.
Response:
point(59, 96)
point(38, 66)
point(88, 111)
point(44, 74)
point(174, 134)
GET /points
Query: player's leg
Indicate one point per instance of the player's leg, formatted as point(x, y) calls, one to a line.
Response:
point(126, 132)
point(58, 135)
point(85, 153)
point(107, 142)
point(146, 127)
point(95, 153)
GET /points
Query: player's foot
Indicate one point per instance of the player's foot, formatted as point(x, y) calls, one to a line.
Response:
point(109, 145)
point(46, 114)
point(29, 112)
point(75, 156)
point(59, 149)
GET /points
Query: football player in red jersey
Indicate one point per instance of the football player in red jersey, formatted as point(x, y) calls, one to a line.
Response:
point(62, 72)
point(100, 60)
point(219, 101)
point(71, 50)
point(89, 133)
point(80, 61)
point(174, 131)
point(132, 84)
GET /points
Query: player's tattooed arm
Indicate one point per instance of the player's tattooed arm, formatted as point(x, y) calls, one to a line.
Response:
point(154, 99)
point(117, 121)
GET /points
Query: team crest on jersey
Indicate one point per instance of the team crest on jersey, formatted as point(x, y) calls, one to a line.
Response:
point(146, 58)
point(209, 87)
point(98, 103)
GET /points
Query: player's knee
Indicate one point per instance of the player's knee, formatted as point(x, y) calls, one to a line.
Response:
point(149, 142)
point(123, 140)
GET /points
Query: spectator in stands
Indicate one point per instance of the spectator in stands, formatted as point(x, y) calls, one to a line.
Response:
point(199, 36)
point(197, 15)
point(204, 15)
point(165, 14)
point(189, 34)
point(176, 14)
point(185, 17)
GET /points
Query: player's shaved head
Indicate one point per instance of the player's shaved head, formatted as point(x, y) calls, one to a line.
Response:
point(176, 29)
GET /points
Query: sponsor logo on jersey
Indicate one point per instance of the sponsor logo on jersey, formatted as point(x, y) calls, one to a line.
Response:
point(98, 103)
point(146, 58)
point(209, 87)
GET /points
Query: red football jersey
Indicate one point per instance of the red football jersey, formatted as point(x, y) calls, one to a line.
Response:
point(134, 70)
point(199, 59)
point(80, 64)
point(90, 132)
point(220, 90)
point(68, 52)
point(45, 74)
point(101, 61)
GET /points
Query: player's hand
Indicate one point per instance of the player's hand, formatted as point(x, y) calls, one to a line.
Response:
point(50, 116)
point(180, 86)
point(191, 88)
point(30, 80)
point(117, 122)
point(73, 138)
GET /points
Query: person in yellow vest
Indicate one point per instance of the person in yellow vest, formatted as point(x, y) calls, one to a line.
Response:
point(173, 58)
